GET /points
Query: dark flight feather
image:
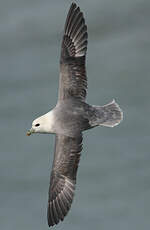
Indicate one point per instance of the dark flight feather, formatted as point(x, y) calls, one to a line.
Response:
point(63, 177)
point(73, 80)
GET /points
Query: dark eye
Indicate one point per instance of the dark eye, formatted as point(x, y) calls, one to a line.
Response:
point(37, 125)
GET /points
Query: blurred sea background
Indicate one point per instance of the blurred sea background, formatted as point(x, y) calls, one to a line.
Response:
point(113, 183)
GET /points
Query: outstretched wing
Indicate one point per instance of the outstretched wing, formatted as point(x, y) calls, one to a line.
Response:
point(63, 177)
point(73, 81)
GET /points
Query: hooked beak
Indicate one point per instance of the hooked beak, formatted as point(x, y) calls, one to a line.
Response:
point(29, 132)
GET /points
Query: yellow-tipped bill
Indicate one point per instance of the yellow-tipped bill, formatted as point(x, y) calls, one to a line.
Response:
point(29, 132)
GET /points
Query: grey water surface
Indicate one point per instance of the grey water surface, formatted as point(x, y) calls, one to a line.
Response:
point(113, 183)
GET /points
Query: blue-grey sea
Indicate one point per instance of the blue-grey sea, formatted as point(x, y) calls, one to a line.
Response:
point(113, 183)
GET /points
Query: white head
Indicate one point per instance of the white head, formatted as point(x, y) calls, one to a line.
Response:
point(43, 124)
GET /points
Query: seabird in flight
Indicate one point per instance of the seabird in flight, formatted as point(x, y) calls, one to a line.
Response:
point(71, 116)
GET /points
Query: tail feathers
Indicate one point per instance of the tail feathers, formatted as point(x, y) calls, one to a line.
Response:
point(108, 115)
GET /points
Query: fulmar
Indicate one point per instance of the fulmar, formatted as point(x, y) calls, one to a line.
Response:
point(71, 116)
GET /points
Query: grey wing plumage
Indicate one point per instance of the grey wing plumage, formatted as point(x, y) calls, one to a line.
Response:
point(63, 177)
point(73, 81)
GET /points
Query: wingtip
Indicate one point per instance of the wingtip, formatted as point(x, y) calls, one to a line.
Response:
point(75, 32)
point(73, 4)
point(59, 206)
